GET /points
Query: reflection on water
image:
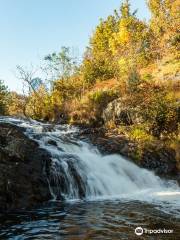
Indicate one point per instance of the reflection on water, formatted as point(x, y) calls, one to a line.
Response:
point(88, 220)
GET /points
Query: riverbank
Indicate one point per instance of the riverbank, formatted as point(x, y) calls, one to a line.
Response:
point(40, 161)
point(154, 156)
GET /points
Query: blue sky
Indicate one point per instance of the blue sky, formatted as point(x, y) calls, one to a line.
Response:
point(30, 29)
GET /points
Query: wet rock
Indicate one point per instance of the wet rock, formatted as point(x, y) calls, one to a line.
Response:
point(161, 160)
point(24, 169)
point(65, 177)
point(52, 142)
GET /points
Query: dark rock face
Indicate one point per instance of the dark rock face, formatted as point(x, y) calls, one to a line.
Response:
point(24, 168)
point(162, 160)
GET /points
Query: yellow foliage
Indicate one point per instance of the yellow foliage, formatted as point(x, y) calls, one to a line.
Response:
point(137, 133)
point(18, 104)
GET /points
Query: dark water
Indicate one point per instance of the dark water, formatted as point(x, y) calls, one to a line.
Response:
point(88, 220)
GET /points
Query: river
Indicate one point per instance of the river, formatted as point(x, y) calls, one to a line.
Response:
point(93, 196)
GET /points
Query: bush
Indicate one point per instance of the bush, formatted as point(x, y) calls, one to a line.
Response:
point(133, 81)
point(138, 133)
point(94, 70)
point(102, 97)
point(161, 114)
point(156, 106)
point(89, 109)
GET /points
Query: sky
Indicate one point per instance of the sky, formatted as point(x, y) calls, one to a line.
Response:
point(31, 29)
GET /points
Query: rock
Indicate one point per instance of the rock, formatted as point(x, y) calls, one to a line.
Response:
point(52, 142)
point(120, 114)
point(161, 160)
point(110, 143)
point(66, 177)
point(157, 158)
point(24, 169)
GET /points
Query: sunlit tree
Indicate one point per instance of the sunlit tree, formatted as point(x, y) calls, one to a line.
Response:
point(4, 98)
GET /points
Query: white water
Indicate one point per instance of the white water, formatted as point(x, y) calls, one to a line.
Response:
point(100, 177)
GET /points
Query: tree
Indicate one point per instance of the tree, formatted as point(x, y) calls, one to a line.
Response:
point(4, 98)
point(17, 104)
point(60, 65)
point(130, 43)
point(31, 86)
point(99, 42)
point(98, 62)
point(30, 81)
point(165, 24)
point(40, 105)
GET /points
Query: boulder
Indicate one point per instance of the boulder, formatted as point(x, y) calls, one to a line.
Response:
point(120, 113)
point(24, 169)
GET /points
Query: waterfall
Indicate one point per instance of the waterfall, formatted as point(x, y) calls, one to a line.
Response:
point(79, 170)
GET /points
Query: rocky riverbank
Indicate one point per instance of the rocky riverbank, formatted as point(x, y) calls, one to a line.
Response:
point(156, 157)
point(26, 168)
point(23, 170)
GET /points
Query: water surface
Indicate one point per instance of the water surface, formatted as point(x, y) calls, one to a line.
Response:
point(89, 220)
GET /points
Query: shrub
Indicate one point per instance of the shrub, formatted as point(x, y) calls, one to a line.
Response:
point(138, 133)
point(161, 113)
point(102, 97)
point(89, 108)
point(94, 70)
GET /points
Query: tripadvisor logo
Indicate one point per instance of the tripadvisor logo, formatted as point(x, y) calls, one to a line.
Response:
point(139, 231)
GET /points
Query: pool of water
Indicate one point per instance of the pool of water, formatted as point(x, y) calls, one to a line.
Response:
point(104, 219)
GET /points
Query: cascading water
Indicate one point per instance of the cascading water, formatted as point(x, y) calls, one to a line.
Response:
point(106, 197)
point(78, 170)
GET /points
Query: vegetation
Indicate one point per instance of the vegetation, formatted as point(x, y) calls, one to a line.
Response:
point(127, 59)
point(4, 98)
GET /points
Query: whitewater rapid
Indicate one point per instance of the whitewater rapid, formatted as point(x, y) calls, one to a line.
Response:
point(79, 170)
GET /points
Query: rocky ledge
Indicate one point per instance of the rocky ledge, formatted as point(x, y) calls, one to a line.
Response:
point(156, 157)
point(23, 170)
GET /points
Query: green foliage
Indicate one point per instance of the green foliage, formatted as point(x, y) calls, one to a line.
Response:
point(133, 81)
point(60, 65)
point(17, 104)
point(100, 40)
point(130, 43)
point(162, 115)
point(138, 133)
point(157, 107)
point(4, 98)
point(39, 105)
point(103, 97)
point(165, 23)
point(94, 70)
point(99, 62)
